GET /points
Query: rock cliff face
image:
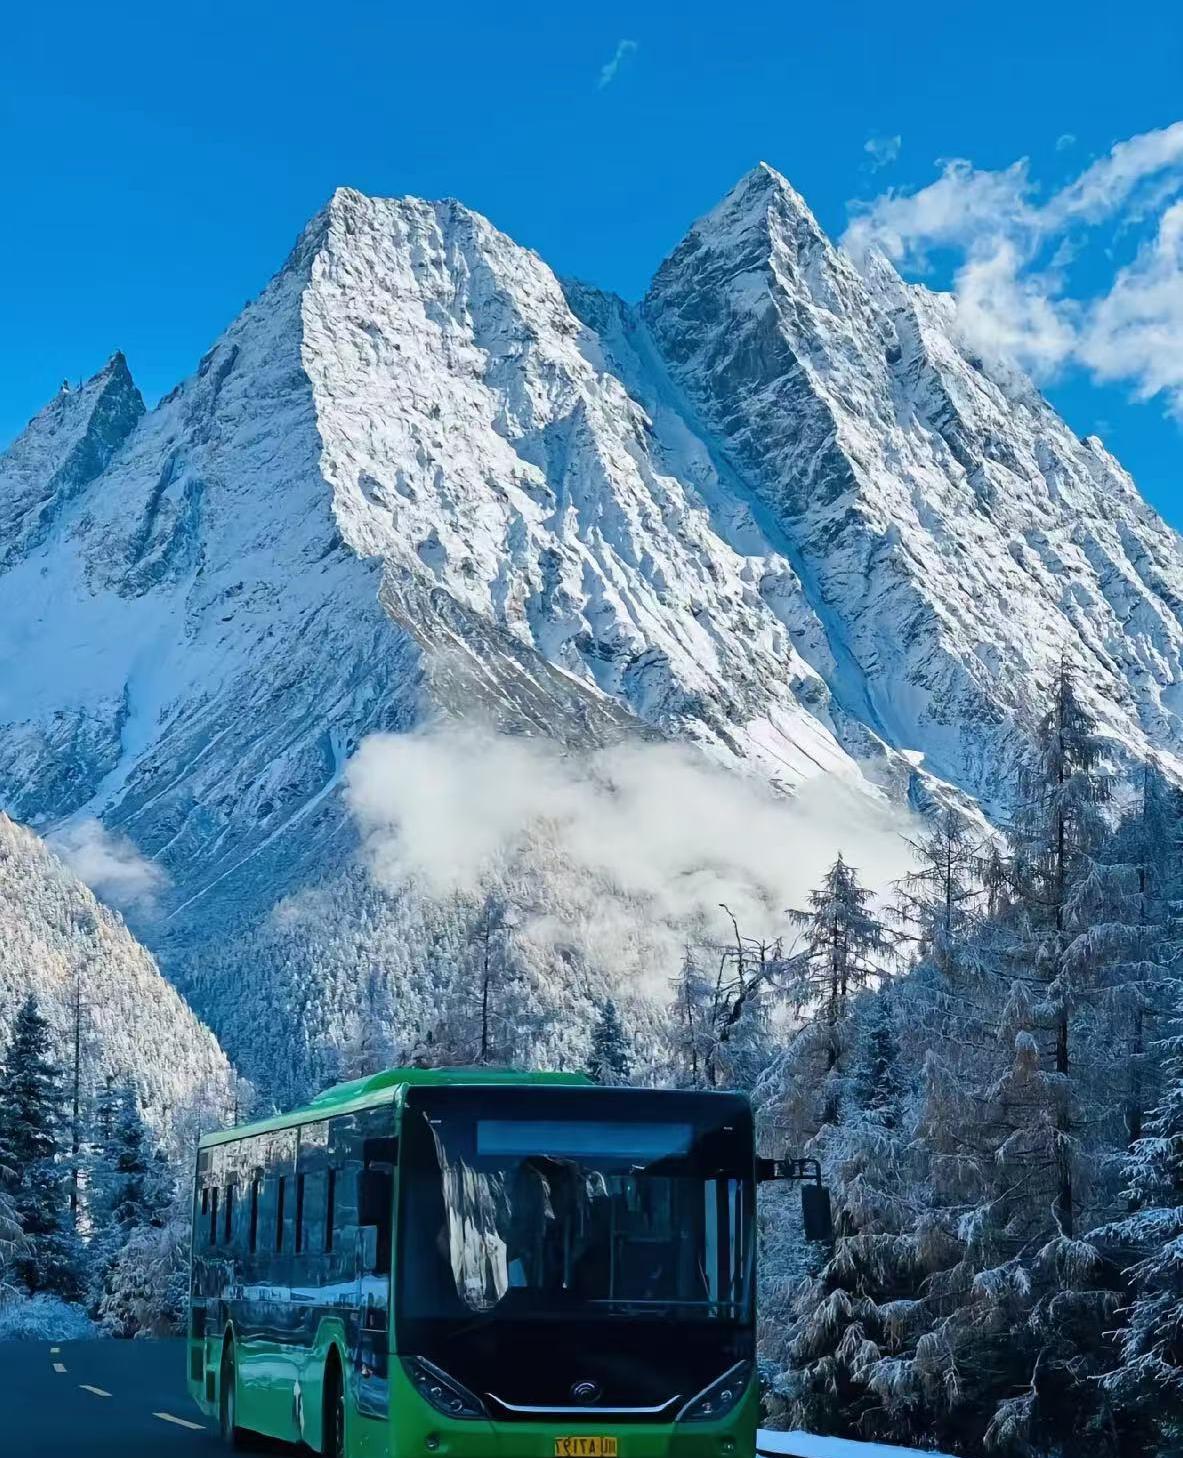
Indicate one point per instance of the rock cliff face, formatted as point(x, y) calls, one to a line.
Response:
point(777, 510)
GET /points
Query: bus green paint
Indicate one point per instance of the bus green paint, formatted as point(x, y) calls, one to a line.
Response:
point(280, 1384)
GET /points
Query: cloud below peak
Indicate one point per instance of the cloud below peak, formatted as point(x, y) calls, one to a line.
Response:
point(629, 849)
point(110, 865)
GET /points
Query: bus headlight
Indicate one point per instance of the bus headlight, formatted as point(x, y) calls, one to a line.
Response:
point(720, 1397)
point(444, 1393)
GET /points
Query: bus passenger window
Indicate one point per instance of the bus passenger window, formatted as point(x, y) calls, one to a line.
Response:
point(330, 1209)
point(279, 1208)
point(213, 1216)
point(228, 1217)
point(299, 1213)
point(254, 1236)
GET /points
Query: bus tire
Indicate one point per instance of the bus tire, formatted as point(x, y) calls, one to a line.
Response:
point(333, 1445)
point(232, 1435)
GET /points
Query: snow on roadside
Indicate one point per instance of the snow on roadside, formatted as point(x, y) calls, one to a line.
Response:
point(810, 1445)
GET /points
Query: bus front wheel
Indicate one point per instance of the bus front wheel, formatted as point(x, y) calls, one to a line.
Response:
point(334, 1411)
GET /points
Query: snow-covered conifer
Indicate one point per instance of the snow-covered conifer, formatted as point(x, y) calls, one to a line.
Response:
point(31, 1135)
point(611, 1060)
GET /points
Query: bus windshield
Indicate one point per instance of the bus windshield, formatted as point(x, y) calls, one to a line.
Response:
point(545, 1204)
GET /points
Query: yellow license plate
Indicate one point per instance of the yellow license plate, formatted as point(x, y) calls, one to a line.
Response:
point(582, 1447)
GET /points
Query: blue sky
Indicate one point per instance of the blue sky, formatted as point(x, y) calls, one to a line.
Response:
point(157, 162)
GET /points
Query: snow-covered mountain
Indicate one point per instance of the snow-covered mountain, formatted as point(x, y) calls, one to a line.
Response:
point(87, 971)
point(777, 510)
point(953, 534)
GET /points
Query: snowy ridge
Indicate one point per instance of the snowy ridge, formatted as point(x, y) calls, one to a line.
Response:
point(59, 941)
point(777, 510)
point(954, 536)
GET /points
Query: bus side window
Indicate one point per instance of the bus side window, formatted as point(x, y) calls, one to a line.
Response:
point(330, 1209)
point(267, 1240)
point(281, 1190)
point(300, 1182)
point(254, 1226)
point(228, 1217)
point(315, 1185)
point(213, 1216)
point(376, 1194)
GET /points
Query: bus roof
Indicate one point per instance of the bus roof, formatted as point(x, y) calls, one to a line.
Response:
point(379, 1088)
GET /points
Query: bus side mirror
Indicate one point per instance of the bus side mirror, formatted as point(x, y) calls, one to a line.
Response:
point(817, 1214)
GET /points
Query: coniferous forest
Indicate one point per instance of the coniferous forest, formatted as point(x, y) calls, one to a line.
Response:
point(988, 1062)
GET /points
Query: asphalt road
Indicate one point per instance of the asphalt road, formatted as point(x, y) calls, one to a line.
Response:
point(100, 1399)
point(108, 1399)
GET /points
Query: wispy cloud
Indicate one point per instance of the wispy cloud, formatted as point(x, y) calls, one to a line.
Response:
point(1013, 247)
point(110, 865)
point(882, 151)
point(1065, 140)
point(625, 50)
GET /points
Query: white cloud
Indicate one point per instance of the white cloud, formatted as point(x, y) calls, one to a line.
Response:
point(963, 205)
point(611, 69)
point(1065, 140)
point(1136, 331)
point(110, 865)
point(882, 150)
point(1116, 179)
point(1014, 249)
point(1012, 317)
point(630, 847)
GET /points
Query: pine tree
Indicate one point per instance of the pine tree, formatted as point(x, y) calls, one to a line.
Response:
point(11, 1236)
point(878, 1085)
point(691, 1034)
point(131, 1189)
point(1149, 1379)
point(32, 1136)
point(1014, 1128)
point(721, 1033)
point(1057, 831)
point(844, 949)
point(1135, 940)
point(611, 1060)
point(849, 1329)
point(836, 1093)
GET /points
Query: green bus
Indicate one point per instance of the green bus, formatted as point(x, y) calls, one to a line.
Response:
point(481, 1263)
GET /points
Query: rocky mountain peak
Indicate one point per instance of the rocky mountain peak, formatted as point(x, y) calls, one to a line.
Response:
point(66, 446)
point(779, 511)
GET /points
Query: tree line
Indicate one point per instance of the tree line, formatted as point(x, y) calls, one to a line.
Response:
point(990, 1069)
point(90, 1208)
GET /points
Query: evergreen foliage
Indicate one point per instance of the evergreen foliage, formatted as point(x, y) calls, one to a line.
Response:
point(1149, 1376)
point(31, 1149)
point(610, 1061)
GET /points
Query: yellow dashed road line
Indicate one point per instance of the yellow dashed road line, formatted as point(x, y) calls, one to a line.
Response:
point(167, 1417)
